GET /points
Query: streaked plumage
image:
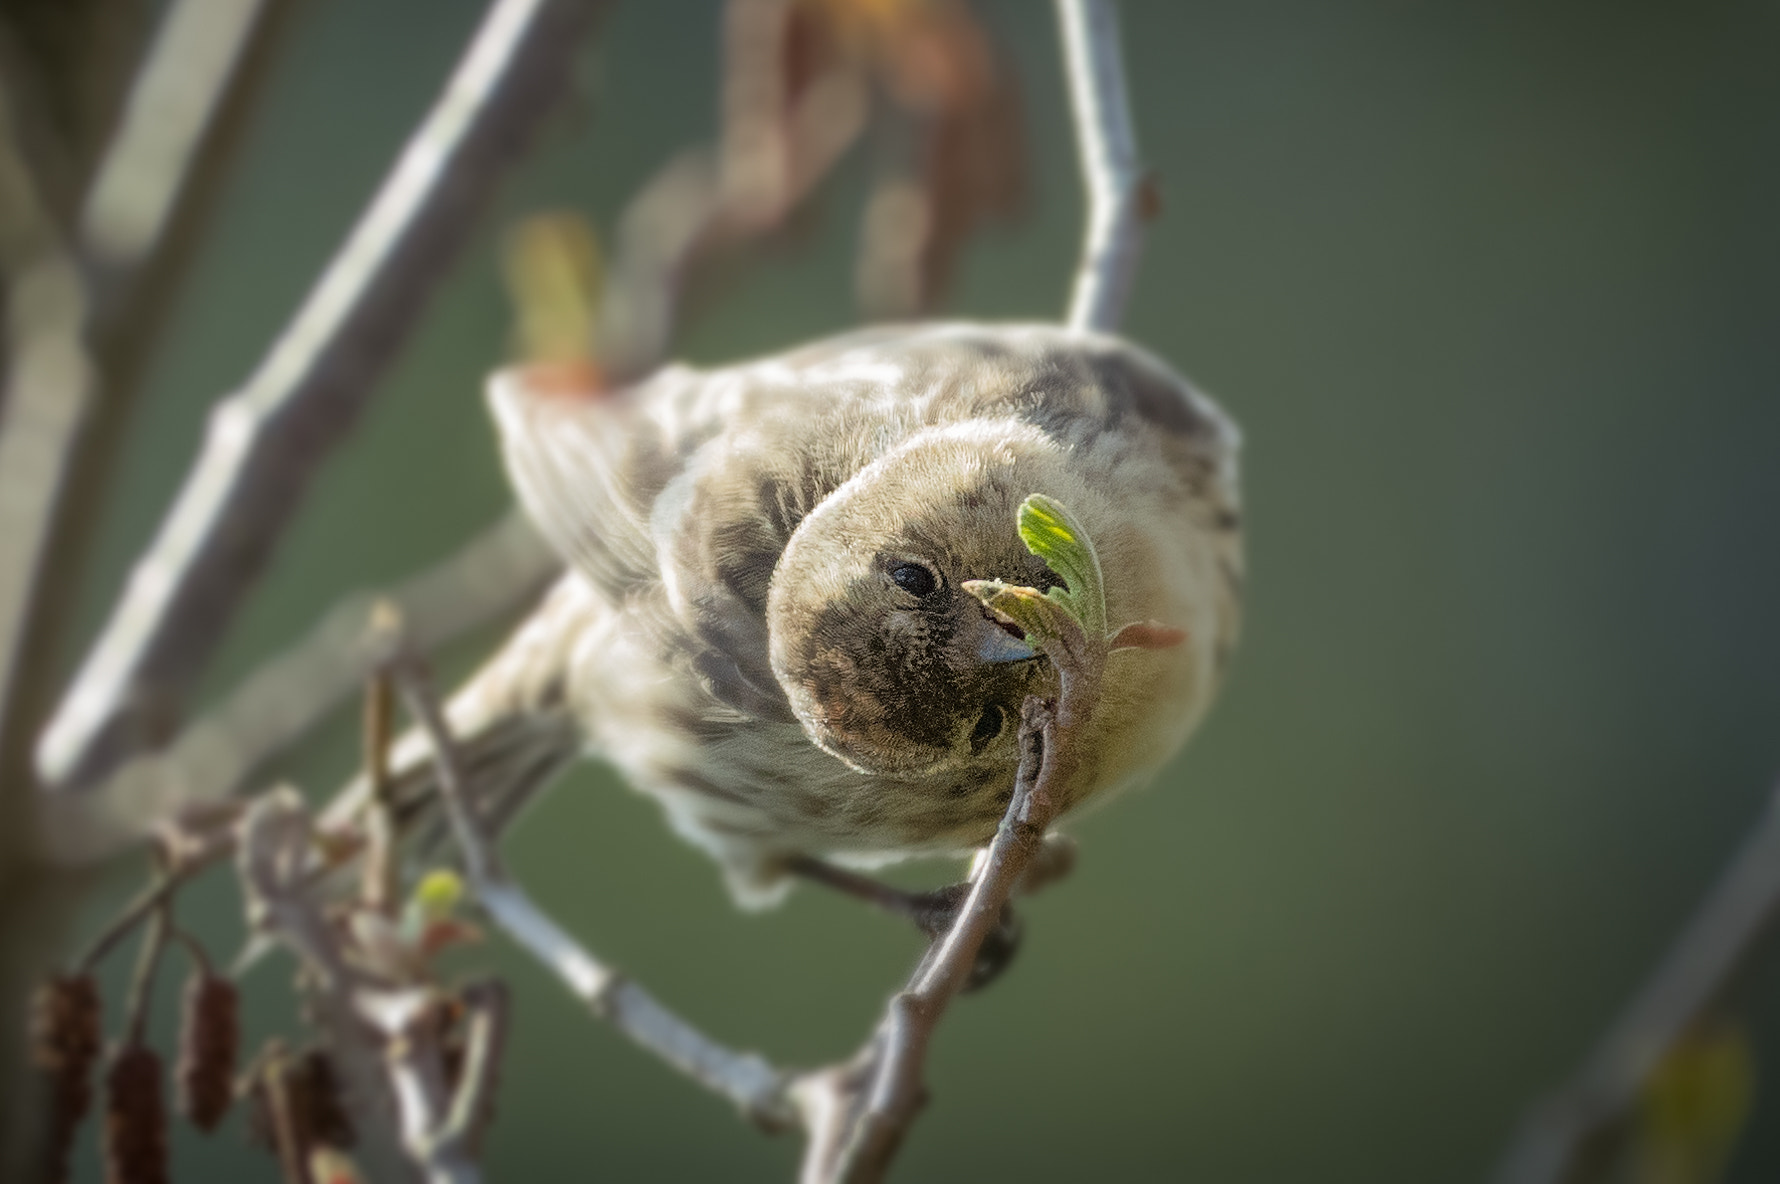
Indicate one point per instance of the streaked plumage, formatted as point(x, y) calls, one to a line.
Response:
point(742, 630)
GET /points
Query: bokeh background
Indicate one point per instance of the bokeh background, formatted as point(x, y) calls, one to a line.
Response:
point(1494, 291)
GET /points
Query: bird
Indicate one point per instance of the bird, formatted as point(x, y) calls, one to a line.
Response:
point(763, 623)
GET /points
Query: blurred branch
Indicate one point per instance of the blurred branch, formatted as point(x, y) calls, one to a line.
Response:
point(755, 1086)
point(438, 1123)
point(495, 573)
point(489, 1005)
point(705, 202)
point(67, 66)
point(183, 117)
point(80, 320)
point(358, 1012)
point(265, 441)
point(73, 306)
point(1107, 146)
point(1560, 1140)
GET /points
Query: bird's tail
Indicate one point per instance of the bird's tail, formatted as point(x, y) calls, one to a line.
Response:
point(511, 729)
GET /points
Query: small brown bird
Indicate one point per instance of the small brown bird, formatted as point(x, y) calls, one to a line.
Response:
point(763, 625)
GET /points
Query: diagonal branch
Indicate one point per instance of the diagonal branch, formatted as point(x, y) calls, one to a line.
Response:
point(494, 574)
point(857, 1114)
point(266, 440)
point(1711, 953)
point(272, 853)
point(1108, 149)
point(746, 1079)
point(88, 306)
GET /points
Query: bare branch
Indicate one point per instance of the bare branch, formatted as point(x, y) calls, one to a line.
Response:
point(424, 1108)
point(172, 101)
point(273, 849)
point(857, 1114)
point(746, 1079)
point(488, 1004)
point(83, 319)
point(706, 202)
point(1706, 960)
point(386, 1032)
point(266, 440)
point(1107, 146)
point(380, 882)
point(85, 305)
point(50, 385)
point(67, 67)
point(496, 573)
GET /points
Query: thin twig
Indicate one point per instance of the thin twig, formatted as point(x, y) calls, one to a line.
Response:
point(1107, 146)
point(857, 1114)
point(265, 441)
point(1739, 915)
point(379, 888)
point(707, 202)
point(359, 1014)
point(142, 978)
point(194, 949)
point(746, 1079)
point(147, 902)
point(487, 1005)
point(292, 1162)
point(498, 571)
point(417, 1079)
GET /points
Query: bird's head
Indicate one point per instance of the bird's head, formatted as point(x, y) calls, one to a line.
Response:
point(889, 663)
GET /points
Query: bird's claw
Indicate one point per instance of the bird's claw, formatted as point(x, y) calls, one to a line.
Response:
point(935, 912)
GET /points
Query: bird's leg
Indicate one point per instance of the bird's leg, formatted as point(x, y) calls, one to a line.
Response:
point(932, 912)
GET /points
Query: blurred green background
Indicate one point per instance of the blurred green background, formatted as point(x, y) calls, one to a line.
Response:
point(1495, 293)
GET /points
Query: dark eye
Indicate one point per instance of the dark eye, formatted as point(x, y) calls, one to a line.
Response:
point(914, 578)
point(988, 727)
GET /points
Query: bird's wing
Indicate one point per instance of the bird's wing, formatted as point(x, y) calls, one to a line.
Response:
point(691, 481)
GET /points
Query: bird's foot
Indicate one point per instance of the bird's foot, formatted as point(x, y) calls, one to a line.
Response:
point(933, 913)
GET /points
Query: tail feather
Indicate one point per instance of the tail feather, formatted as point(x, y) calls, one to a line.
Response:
point(512, 731)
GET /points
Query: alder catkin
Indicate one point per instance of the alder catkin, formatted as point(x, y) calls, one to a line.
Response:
point(315, 1095)
point(135, 1119)
point(210, 1037)
point(65, 1040)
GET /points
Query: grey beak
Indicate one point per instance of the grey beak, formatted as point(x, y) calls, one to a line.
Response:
point(998, 645)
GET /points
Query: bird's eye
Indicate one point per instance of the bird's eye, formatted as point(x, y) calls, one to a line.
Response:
point(989, 726)
point(917, 579)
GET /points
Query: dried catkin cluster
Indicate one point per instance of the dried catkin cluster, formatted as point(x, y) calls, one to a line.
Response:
point(135, 1119)
point(65, 1040)
point(210, 1039)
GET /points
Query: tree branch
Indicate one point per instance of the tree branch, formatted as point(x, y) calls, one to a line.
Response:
point(857, 1114)
point(488, 1004)
point(746, 1079)
point(495, 573)
point(1707, 958)
point(83, 313)
point(1107, 147)
point(265, 441)
point(387, 1032)
point(272, 852)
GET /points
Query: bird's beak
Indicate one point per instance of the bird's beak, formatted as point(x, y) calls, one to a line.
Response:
point(996, 644)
